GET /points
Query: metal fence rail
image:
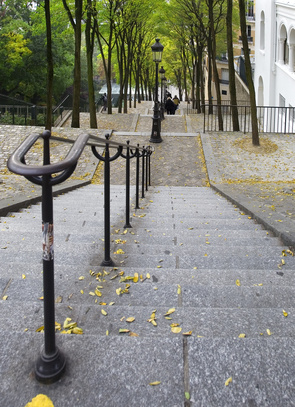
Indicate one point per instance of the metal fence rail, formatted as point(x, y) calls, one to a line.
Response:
point(271, 119)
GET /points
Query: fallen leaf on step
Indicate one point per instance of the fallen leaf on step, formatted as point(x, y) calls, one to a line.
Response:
point(154, 383)
point(285, 313)
point(130, 319)
point(40, 400)
point(104, 312)
point(170, 311)
point(238, 283)
point(176, 329)
point(242, 336)
point(228, 381)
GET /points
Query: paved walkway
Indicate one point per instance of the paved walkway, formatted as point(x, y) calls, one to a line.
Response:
point(260, 180)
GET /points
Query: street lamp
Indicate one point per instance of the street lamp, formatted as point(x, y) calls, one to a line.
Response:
point(157, 50)
point(162, 76)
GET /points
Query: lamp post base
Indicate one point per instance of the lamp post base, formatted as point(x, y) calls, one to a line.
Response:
point(156, 131)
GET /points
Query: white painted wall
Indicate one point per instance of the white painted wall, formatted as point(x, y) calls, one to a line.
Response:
point(272, 67)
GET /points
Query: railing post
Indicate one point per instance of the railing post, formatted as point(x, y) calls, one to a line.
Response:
point(107, 212)
point(146, 169)
point(149, 162)
point(142, 175)
point(127, 223)
point(51, 364)
point(137, 177)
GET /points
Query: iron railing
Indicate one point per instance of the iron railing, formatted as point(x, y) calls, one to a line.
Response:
point(271, 119)
point(51, 363)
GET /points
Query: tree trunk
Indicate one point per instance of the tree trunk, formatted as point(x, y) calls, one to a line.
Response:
point(254, 122)
point(77, 68)
point(209, 77)
point(214, 65)
point(89, 50)
point(49, 67)
point(231, 68)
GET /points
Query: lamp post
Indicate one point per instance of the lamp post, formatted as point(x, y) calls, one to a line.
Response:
point(157, 49)
point(162, 76)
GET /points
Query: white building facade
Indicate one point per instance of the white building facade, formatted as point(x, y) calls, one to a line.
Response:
point(275, 53)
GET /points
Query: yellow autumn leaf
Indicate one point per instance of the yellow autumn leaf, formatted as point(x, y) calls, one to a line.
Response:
point(91, 293)
point(98, 293)
point(159, 267)
point(107, 333)
point(118, 291)
point(170, 311)
point(119, 251)
point(268, 332)
point(148, 275)
point(176, 329)
point(135, 278)
point(154, 322)
point(81, 291)
point(41, 329)
point(4, 298)
point(82, 277)
point(103, 312)
point(23, 276)
point(154, 383)
point(133, 334)
point(130, 319)
point(77, 331)
point(285, 313)
point(242, 336)
point(40, 400)
point(228, 381)
point(187, 333)
point(123, 331)
point(238, 283)
point(178, 289)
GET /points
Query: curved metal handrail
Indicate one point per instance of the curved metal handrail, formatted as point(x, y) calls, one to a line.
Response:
point(16, 162)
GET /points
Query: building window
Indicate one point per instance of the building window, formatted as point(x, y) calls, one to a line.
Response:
point(224, 92)
point(224, 76)
point(283, 51)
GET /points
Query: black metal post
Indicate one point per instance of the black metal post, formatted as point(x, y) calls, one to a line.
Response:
point(51, 364)
point(156, 129)
point(146, 153)
point(127, 224)
point(149, 163)
point(142, 176)
point(137, 177)
point(107, 210)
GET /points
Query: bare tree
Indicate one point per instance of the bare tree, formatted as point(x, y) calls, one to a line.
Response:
point(49, 66)
point(254, 122)
point(231, 68)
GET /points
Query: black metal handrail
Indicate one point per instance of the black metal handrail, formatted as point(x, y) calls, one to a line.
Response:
point(51, 363)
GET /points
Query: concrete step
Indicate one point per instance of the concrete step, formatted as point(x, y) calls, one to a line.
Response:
point(203, 322)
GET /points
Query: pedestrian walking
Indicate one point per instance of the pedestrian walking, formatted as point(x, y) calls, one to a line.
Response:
point(176, 101)
point(170, 106)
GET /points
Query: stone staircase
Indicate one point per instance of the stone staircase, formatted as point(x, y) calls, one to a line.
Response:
point(190, 259)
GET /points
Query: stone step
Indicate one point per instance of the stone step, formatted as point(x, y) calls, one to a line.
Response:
point(119, 364)
point(203, 322)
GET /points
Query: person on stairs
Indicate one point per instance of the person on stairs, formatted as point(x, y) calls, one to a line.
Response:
point(176, 101)
point(170, 106)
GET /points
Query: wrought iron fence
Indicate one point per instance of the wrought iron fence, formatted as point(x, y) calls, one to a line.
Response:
point(271, 119)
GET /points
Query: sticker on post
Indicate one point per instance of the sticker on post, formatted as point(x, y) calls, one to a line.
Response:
point(47, 231)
